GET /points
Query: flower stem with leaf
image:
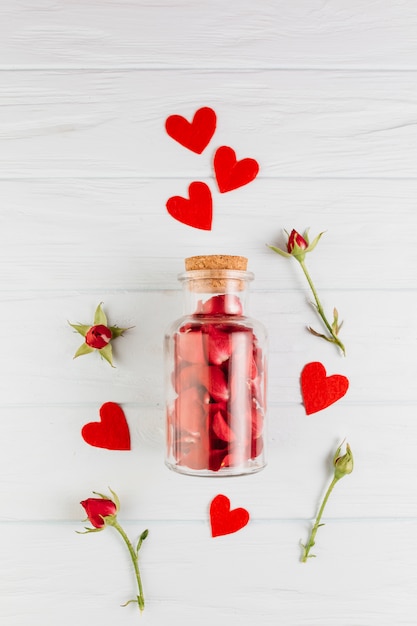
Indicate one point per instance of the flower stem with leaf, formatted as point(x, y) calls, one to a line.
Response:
point(297, 247)
point(102, 512)
point(343, 465)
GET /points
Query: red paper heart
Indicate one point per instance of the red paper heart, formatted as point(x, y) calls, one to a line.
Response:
point(193, 135)
point(112, 432)
point(230, 173)
point(320, 391)
point(223, 520)
point(197, 211)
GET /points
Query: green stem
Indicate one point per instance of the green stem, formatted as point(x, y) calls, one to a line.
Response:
point(316, 526)
point(134, 557)
point(335, 339)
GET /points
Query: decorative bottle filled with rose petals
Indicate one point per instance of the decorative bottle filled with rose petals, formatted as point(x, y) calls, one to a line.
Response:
point(216, 370)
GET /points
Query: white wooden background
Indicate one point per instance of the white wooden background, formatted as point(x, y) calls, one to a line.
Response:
point(324, 96)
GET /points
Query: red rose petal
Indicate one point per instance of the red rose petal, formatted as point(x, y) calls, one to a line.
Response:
point(196, 457)
point(218, 387)
point(190, 412)
point(189, 346)
point(218, 346)
point(221, 428)
point(191, 376)
point(222, 304)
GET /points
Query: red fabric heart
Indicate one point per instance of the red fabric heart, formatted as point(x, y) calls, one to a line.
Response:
point(230, 173)
point(193, 135)
point(197, 211)
point(223, 520)
point(112, 432)
point(320, 391)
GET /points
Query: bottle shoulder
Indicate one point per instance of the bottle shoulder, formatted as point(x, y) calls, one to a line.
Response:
point(227, 323)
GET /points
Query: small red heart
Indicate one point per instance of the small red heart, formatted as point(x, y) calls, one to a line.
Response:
point(193, 135)
point(223, 520)
point(112, 432)
point(320, 391)
point(230, 173)
point(197, 211)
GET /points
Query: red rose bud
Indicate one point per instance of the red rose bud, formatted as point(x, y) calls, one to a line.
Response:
point(97, 509)
point(98, 337)
point(297, 245)
point(295, 239)
point(102, 512)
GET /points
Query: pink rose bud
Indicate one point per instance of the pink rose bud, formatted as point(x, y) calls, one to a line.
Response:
point(98, 336)
point(97, 509)
point(296, 239)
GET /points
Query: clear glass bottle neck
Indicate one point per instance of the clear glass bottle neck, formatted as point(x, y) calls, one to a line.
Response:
point(216, 292)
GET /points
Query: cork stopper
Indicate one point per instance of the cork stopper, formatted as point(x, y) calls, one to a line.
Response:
point(212, 273)
point(216, 262)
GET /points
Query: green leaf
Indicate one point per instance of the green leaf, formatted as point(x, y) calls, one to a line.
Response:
point(279, 251)
point(116, 331)
point(316, 334)
point(80, 328)
point(83, 349)
point(107, 354)
point(89, 530)
point(100, 316)
point(115, 499)
point(141, 540)
point(314, 243)
point(305, 235)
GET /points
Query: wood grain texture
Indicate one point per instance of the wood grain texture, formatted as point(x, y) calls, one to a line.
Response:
point(46, 440)
point(323, 95)
point(255, 575)
point(137, 33)
point(111, 234)
point(295, 123)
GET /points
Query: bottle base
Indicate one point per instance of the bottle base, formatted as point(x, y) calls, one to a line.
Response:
point(225, 472)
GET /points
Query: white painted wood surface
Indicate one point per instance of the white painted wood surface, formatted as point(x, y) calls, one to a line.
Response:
point(324, 96)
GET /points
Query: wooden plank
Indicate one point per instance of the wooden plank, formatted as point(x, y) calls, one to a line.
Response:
point(47, 468)
point(215, 34)
point(104, 235)
point(378, 334)
point(252, 576)
point(295, 123)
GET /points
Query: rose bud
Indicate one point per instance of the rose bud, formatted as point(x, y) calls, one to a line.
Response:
point(98, 509)
point(296, 240)
point(297, 245)
point(343, 465)
point(102, 512)
point(98, 336)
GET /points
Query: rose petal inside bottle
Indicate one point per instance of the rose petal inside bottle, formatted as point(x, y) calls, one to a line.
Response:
point(217, 418)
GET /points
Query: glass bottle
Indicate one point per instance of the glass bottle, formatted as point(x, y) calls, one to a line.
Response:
point(215, 374)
